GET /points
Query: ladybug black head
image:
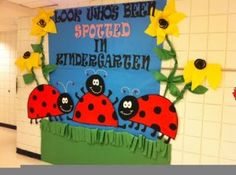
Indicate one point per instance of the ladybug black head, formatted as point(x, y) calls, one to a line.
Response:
point(95, 85)
point(128, 107)
point(65, 103)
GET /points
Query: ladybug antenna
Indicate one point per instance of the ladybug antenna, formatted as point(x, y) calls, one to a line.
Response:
point(69, 82)
point(125, 90)
point(60, 83)
point(102, 72)
point(89, 72)
point(135, 92)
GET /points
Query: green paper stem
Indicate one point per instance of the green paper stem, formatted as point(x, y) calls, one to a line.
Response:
point(172, 73)
point(43, 59)
point(37, 82)
point(183, 91)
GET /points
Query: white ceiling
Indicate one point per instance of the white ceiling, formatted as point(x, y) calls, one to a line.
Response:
point(35, 4)
point(9, 13)
point(11, 10)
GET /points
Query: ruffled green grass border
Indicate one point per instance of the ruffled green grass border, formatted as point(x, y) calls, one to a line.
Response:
point(153, 150)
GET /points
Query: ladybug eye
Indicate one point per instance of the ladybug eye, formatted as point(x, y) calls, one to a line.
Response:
point(96, 82)
point(125, 104)
point(129, 104)
point(64, 100)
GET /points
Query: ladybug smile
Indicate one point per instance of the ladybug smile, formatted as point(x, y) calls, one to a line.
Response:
point(66, 110)
point(95, 91)
point(127, 114)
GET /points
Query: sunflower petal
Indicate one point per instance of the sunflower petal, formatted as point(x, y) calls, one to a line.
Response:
point(198, 77)
point(170, 8)
point(156, 16)
point(160, 39)
point(173, 30)
point(34, 60)
point(176, 17)
point(188, 71)
point(50, 27)
point(37, 30)
point(214, 75)
point(50, 12)
point(151, 31)
point(161, 35)
point(20, 62)
point(28, 64)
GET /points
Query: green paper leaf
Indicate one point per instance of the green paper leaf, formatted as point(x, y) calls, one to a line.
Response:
point(199, 90)
point(159, 76)
point(37, 48)
point(28, 78)
point(178, 79)
point(49, 69)
point(174, 90)
point(163, 54)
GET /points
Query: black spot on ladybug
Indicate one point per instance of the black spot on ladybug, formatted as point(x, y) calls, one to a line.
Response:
point(172, 108)
point(54, 106)
point(172, 126)
point(40, 88)
point(101, 118)
point(54, 92)
point(104, 102)
point(34, 97)
point(44, 104)
point(157, 110)
point(90, 106)
point(78, 114)
point(142, 114)
point(49, 114)
point(32, 110)
point(81, 100)
point(145, 97)
point(114, 116)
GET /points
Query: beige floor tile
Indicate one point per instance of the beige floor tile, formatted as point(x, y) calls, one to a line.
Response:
point(8, 155)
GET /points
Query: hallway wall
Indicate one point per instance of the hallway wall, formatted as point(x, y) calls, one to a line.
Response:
point(7, 77)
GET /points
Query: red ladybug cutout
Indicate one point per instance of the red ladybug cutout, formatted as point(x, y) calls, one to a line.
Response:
point(46, 101)
point(152, 111)
point(94, 107)
point(234, 93)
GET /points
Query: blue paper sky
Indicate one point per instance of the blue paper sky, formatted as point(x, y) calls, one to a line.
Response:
point(138, 43)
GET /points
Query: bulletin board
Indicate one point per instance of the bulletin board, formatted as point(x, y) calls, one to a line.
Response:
point(108, 41)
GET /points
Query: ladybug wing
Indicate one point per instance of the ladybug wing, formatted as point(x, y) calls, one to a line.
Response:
point(95, 110)
point(159, 111)
point(42, 102)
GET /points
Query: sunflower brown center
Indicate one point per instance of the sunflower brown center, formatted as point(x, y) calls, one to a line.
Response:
point(26, 55)
point(163, 23)
point(42, 23)
point(200, 64)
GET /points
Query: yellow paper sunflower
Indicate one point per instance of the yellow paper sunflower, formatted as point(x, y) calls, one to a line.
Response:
point(43, 24)
point(28, 61)
point(197, 71)
point(164, 22)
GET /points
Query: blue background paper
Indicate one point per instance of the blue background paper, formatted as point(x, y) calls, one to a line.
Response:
point(138, 43)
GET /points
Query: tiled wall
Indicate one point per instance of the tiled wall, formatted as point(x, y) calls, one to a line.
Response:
point(7, 77)
point(207, 122)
